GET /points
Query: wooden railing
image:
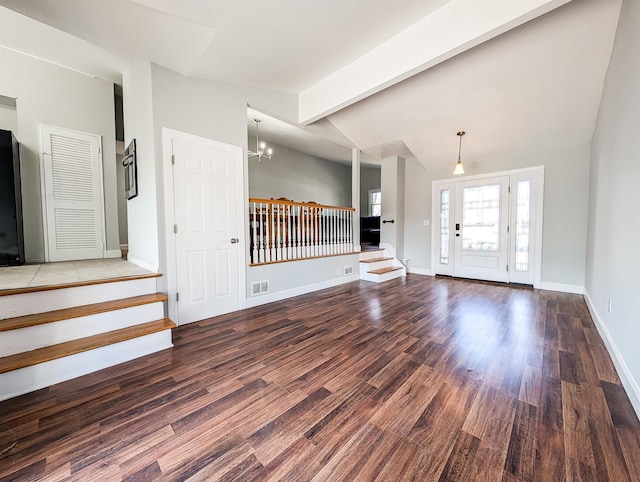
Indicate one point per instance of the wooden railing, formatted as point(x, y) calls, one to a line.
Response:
point(283, 230)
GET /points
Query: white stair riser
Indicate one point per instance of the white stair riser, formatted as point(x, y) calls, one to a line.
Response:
point(51, 300)
point(372, 254)
point(35, 377)
point(376, 265)
point(379, 278)
point(392, 275)
point(38, 336)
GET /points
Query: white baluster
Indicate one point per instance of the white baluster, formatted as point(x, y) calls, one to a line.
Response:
point(350, 240)
point(273, 233)
point(264, 235)
point(254, 244)
point(278, 220)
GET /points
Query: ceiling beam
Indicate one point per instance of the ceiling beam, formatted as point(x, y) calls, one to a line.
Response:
point(457, 26)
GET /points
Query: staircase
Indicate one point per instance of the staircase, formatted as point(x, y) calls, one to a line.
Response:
point(379, 266)
point(50, 339)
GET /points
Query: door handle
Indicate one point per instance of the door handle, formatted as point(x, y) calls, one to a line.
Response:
point(234, 240)
point(385, 221)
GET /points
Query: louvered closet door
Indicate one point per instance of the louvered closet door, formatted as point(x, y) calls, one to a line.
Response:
point(72, 170)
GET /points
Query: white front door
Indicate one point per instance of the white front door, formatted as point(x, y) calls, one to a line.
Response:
point(489, 227)
point(207, 213)
point(480, 229)
point(72, 194)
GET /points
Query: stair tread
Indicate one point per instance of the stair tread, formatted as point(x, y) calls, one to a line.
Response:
point(78, 311)
point(374, 260)
point(75, 284)
point(53, 352)
point(385, 270)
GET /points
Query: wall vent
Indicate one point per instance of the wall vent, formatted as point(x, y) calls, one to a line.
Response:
point(348, 270)
point(259, 288)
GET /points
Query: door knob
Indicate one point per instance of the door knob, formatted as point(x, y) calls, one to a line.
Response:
point(234, 240)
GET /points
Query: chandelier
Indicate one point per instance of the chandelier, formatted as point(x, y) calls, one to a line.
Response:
point(261, 148)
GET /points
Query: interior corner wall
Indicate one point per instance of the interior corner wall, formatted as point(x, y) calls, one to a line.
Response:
point(53, 95)
point(369, 181)
point(613, 259)
point(142, 210)
point(566, 191)
point(299, 177)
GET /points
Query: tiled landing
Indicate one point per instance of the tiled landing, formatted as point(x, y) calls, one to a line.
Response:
point(49, 274)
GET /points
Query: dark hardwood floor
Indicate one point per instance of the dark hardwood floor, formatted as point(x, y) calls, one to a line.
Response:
point(420, 379)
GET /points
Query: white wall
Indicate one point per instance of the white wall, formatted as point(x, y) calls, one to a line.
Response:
point(123, 228)
point(9, 116)
point(299, 177)
point(565, 208)
point(142, 211)
point(369, 180)
point(613, 255)
point(57, 96)
point(393, 204)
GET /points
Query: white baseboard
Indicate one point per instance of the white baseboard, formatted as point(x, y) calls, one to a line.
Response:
point(422, 271)
point(629, 383)
point(142, 264)
point(545, 285)
point(113, 253)
point(301, 290)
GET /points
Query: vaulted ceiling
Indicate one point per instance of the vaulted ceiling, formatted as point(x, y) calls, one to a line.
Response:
point(385, 76)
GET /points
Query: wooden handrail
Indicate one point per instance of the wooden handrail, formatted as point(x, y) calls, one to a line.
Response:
point(295, 203)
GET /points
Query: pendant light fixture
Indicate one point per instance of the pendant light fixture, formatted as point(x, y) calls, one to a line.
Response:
point(261, 148)
point(459, 168)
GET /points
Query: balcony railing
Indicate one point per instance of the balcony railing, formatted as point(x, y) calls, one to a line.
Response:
point(283, 230)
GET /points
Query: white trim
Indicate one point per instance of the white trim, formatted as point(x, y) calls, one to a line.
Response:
point(112, 253)
point(168, 136)
point(421, 271)
point(537, 175)
point(142, 264)
point(629, 383)
point(564, 288)
point(301, 290)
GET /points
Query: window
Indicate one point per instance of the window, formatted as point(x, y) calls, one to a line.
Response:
point(523, 208)
point(375, 202)
point(481, 217)
point(444, 226)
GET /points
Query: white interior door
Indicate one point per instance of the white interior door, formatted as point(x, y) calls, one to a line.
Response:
point(481, 237)
point(207, 228)
point(72, 194)
point(489, 227)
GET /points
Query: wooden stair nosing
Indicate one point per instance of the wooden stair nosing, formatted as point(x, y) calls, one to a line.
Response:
point(53, 352)
point(75, 284)
point(77, 311)
point(374, 260)
point(384, 270)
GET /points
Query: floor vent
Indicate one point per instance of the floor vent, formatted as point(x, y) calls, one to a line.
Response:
point(348, 270)
point(259, 288)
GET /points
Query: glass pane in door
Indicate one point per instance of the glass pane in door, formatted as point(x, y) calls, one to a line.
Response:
point(444, 226)
point(481, 217)
point(523, 208)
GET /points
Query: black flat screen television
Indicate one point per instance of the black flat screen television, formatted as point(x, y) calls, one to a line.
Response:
point(11, 233)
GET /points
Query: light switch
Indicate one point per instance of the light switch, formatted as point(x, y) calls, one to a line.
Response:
point(425, 222)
